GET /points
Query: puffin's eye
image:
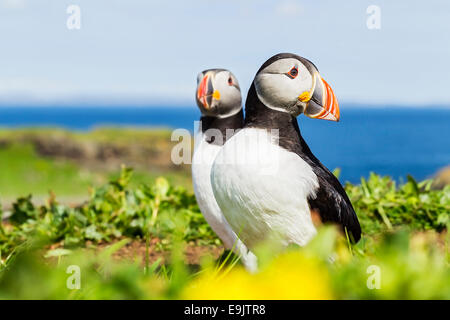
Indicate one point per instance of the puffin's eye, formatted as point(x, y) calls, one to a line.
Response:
point(293, 73)
point(230, 81)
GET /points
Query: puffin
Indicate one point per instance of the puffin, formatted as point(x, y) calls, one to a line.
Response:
point(218, 97)
point(267, 182)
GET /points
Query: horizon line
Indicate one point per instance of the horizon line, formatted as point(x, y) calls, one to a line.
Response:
point(155, 104)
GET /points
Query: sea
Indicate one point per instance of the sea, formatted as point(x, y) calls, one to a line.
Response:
point(388, 140)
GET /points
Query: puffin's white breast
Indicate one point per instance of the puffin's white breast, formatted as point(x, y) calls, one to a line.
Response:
point(262, 189)
point(203, 158)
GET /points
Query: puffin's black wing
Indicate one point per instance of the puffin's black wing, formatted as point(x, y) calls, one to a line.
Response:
point(331, 201)
point(333, 204)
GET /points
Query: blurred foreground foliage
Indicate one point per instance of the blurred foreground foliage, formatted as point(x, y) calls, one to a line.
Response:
point(405, 241)
point(400, 266)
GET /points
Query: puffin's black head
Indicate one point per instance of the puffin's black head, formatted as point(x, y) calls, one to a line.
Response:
point(289, 83)
point(218, 93)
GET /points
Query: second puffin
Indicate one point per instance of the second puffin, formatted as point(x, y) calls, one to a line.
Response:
point(219, 98)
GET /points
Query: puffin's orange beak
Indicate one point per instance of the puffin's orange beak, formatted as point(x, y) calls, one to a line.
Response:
point(202, 92)
point(323, 103)
point(206, 92)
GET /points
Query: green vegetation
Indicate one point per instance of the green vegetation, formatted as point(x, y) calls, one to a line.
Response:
point(122, 136)
point(381, 205)
point(404, 236)
point(113, 211)
point(137, 235)
point(23, 172)
point(37, 161)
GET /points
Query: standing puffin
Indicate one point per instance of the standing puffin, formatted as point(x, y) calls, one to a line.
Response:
point(219, 99)
point(261, 201)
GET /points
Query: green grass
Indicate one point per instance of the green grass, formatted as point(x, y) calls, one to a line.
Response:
point(409, 267)
point(23, 172)
point(103, 134)
point(120, 208)
point(112, 211)
point(404, 235)
point(382, 205)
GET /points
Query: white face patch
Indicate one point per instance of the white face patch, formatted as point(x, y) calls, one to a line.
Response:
point(230, 101)
point(279, 91)
point(220, 93)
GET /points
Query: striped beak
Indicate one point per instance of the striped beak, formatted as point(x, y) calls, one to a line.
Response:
point(206, 92)
point(323, 103)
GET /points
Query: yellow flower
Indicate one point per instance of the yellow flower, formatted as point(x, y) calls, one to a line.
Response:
point(289, 276)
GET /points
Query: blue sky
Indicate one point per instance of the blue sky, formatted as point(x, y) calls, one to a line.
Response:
point(149, 52)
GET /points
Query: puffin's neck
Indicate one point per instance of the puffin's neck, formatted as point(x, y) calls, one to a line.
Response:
point(257, 115)
point(233, 122)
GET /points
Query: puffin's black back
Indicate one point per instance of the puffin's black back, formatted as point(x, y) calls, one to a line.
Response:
point(331, 200)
